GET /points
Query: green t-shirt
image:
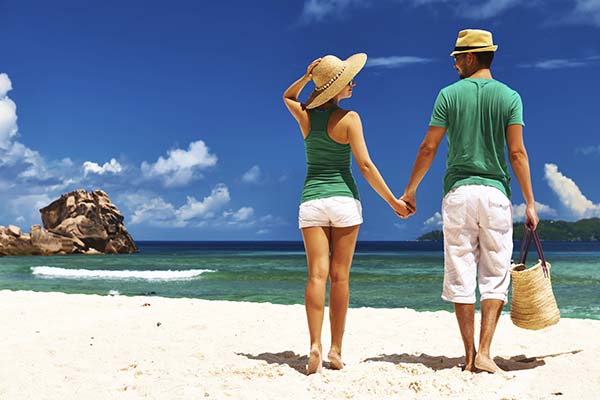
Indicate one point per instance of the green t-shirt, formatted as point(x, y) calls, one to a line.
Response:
point(476, 113)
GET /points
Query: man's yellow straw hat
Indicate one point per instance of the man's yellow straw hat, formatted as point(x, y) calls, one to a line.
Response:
point(473, 41)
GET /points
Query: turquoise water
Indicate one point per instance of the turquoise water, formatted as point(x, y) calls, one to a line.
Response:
point(384, 274)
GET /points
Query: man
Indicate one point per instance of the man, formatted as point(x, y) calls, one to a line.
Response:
point(482, 117)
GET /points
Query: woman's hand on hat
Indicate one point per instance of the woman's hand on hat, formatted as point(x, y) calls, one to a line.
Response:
point(309, 69)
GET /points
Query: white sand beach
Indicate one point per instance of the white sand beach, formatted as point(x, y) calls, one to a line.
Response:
point(59, 346)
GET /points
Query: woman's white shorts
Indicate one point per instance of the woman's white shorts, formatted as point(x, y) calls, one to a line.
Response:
point(337, 211)
point(478, 243)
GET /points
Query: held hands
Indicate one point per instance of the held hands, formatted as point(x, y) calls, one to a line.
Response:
point(402, 209)
point(309, 69)
point(411, 204)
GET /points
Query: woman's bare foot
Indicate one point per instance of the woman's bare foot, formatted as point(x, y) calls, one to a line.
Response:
point(485, 363)
point(335, 359)
point(315, 361)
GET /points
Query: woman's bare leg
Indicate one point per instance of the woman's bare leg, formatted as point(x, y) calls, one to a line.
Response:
point(316, 244)
point(342, 251)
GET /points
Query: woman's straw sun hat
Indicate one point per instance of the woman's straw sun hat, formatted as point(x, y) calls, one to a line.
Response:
point(331, 75)
point(473, 41)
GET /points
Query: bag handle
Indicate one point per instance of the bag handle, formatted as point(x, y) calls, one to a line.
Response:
point(529, 234)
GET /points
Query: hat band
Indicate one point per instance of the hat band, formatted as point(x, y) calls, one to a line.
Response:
point(330, 82)
point(463, 48)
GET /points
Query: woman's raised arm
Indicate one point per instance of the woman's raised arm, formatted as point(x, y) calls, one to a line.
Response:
point(290, 98)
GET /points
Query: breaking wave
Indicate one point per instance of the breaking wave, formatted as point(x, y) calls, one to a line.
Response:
point(168, 275)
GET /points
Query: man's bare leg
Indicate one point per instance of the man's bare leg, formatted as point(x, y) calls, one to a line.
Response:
point(465, 315)
point(490, 313)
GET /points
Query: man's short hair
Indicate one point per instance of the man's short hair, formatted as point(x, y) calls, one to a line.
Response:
point(484, 58)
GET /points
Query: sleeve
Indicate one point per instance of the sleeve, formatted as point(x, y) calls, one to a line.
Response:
point(516, 110)
point(439, 116)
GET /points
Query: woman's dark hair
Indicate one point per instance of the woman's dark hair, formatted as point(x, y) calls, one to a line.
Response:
point(484, 58)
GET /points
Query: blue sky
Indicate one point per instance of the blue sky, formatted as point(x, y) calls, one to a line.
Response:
point(174, 108)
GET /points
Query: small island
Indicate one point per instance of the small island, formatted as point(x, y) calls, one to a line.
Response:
point(584, 230)
point(79, 222)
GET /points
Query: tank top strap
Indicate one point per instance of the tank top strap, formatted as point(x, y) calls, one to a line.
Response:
point(320, 118)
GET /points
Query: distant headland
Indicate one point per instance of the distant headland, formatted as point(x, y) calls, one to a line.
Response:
point(584, 230)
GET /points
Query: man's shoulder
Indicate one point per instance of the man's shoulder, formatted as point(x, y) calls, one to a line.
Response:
point(453, 86)
point(504, 88)
point(456, 87)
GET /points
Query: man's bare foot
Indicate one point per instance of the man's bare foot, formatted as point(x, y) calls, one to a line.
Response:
point(469, 367)
point(315, 361)
point(486, 364)
point(335, 360)
point(470, 361)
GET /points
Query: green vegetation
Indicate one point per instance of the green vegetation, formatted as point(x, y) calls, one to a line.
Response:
point(585, 230)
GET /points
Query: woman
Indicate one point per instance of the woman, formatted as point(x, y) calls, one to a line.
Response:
point(330, 211)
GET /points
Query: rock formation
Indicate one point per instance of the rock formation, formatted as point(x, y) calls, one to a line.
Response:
point(78, 222)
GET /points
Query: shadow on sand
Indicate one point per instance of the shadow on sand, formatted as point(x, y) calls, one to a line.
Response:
point(436, 363)
point(289, 358)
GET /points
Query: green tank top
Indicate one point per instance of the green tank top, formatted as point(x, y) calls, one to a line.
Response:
point(328, 163)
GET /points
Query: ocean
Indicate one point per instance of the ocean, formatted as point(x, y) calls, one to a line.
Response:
point(383, 274)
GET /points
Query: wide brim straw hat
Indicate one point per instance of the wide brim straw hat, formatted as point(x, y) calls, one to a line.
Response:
point(473, 41)
point(331, 75)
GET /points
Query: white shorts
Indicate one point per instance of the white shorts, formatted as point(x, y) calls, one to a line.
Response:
point(477, 243)
point(337, 211)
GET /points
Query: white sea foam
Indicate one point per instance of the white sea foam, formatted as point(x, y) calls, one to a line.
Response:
point(168, 275)
point(113, 292)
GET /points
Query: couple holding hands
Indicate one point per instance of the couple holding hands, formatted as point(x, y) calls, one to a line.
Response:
point(481, 118)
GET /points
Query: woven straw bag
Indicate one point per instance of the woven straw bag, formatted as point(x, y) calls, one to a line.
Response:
point(533, 305)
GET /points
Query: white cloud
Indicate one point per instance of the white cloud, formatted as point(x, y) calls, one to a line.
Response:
point(582, 11)
point(243, 214)
point(25, 208)
point(91, 167)
point(484, 10)
point(30, 162)
point(396, 61)
point(243, 217)
point(181, 166)
point(5, 85)
point(595, 150)
point(586, 11)
point(206, 208)
point(155, 211)
point(569, 193)
point(434, 222)
point(23, 163)
point(318, 10)
point(518, 211)
point(321, 10)
point(8, 113)
point(253, 175)
point(555, 63)
point(283, 178)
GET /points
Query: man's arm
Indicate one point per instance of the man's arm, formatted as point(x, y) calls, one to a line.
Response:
point(520, 165)
point(425, 156)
